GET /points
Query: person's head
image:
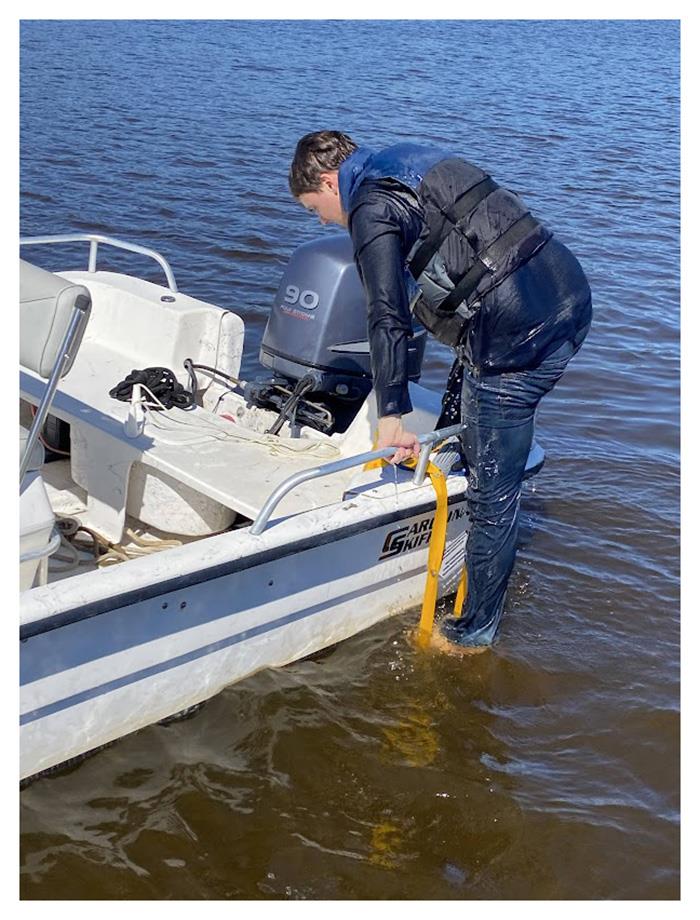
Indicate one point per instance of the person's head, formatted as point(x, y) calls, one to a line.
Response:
point(313, 175)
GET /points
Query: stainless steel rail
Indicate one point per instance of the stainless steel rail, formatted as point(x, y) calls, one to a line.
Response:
point(95, 239)
point(427, 441)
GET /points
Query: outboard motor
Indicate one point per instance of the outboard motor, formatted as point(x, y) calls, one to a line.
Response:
point(316, 343)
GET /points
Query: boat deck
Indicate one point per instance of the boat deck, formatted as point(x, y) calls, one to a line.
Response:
point(234, 466)
point(232, 463)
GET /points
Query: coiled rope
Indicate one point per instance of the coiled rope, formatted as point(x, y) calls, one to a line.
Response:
point(103, 551)
point(161, 383)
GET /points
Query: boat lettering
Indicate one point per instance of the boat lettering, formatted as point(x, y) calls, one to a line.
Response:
point(297, 314)
point(413, 536)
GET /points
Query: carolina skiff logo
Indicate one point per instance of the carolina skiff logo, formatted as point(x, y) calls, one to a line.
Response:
point(413, 536)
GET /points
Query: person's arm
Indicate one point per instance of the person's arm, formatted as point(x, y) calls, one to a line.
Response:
point(376, 236)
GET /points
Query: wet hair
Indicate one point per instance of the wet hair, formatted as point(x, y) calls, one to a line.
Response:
point(316, 153)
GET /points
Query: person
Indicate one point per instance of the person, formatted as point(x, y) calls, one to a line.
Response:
point(437, 239)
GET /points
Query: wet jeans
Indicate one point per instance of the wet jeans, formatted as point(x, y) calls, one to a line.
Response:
point(500, 412)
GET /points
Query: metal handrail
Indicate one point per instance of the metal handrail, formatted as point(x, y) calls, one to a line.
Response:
point(337, 466)
point(95, 239)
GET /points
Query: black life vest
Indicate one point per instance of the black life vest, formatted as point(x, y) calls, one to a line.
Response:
point(475, 233)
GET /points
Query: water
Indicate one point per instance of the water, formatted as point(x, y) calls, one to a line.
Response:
point(548, 767)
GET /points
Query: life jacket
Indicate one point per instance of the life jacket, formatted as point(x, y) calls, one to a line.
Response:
point(475, 233)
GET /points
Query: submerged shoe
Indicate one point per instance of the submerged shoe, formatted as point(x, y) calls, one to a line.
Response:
point(439, 642)
point(452, 630)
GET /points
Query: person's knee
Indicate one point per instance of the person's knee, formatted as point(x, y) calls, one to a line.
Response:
point(494, 484)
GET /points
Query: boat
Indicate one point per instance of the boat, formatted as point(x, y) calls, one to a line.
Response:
point(182, 528)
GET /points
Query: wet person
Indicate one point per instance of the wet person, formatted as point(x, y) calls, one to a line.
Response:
point(435, 238)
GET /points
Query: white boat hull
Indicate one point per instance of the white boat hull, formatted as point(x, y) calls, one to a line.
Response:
point(185, 624)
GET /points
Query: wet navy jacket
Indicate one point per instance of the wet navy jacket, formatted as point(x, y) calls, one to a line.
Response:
point(522, 311)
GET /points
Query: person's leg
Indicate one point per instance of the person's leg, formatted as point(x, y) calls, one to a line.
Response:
point(496, 450)
point(499, 411)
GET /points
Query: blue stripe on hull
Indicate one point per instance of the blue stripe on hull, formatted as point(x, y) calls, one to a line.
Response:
point(203, 651)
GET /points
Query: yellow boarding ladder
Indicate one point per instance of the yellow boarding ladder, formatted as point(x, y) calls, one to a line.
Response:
point(436, 548)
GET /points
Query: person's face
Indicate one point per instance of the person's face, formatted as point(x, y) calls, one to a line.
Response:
point(325, 202)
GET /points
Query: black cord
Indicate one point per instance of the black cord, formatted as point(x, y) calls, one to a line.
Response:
point(215, 371)
point(189, 367)
point(306, 383)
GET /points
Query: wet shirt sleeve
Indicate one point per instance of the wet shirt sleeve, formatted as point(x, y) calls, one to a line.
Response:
point(378, 230)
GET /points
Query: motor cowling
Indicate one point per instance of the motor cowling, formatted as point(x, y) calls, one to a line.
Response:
point(318, 322)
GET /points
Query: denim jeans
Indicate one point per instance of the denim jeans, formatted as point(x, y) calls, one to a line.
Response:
point(500, 412)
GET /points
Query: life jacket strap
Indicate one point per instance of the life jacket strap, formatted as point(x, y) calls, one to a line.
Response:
point(462, 206)
point(490, 258)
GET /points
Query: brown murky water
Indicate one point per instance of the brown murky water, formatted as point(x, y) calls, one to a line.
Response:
point(547, 767)
point(379, 771)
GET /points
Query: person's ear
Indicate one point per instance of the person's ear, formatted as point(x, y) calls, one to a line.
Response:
point(329, 180)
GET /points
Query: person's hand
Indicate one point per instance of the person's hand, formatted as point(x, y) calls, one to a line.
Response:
point(391, 434)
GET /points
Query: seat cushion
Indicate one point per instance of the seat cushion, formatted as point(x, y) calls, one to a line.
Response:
point(47, 302)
